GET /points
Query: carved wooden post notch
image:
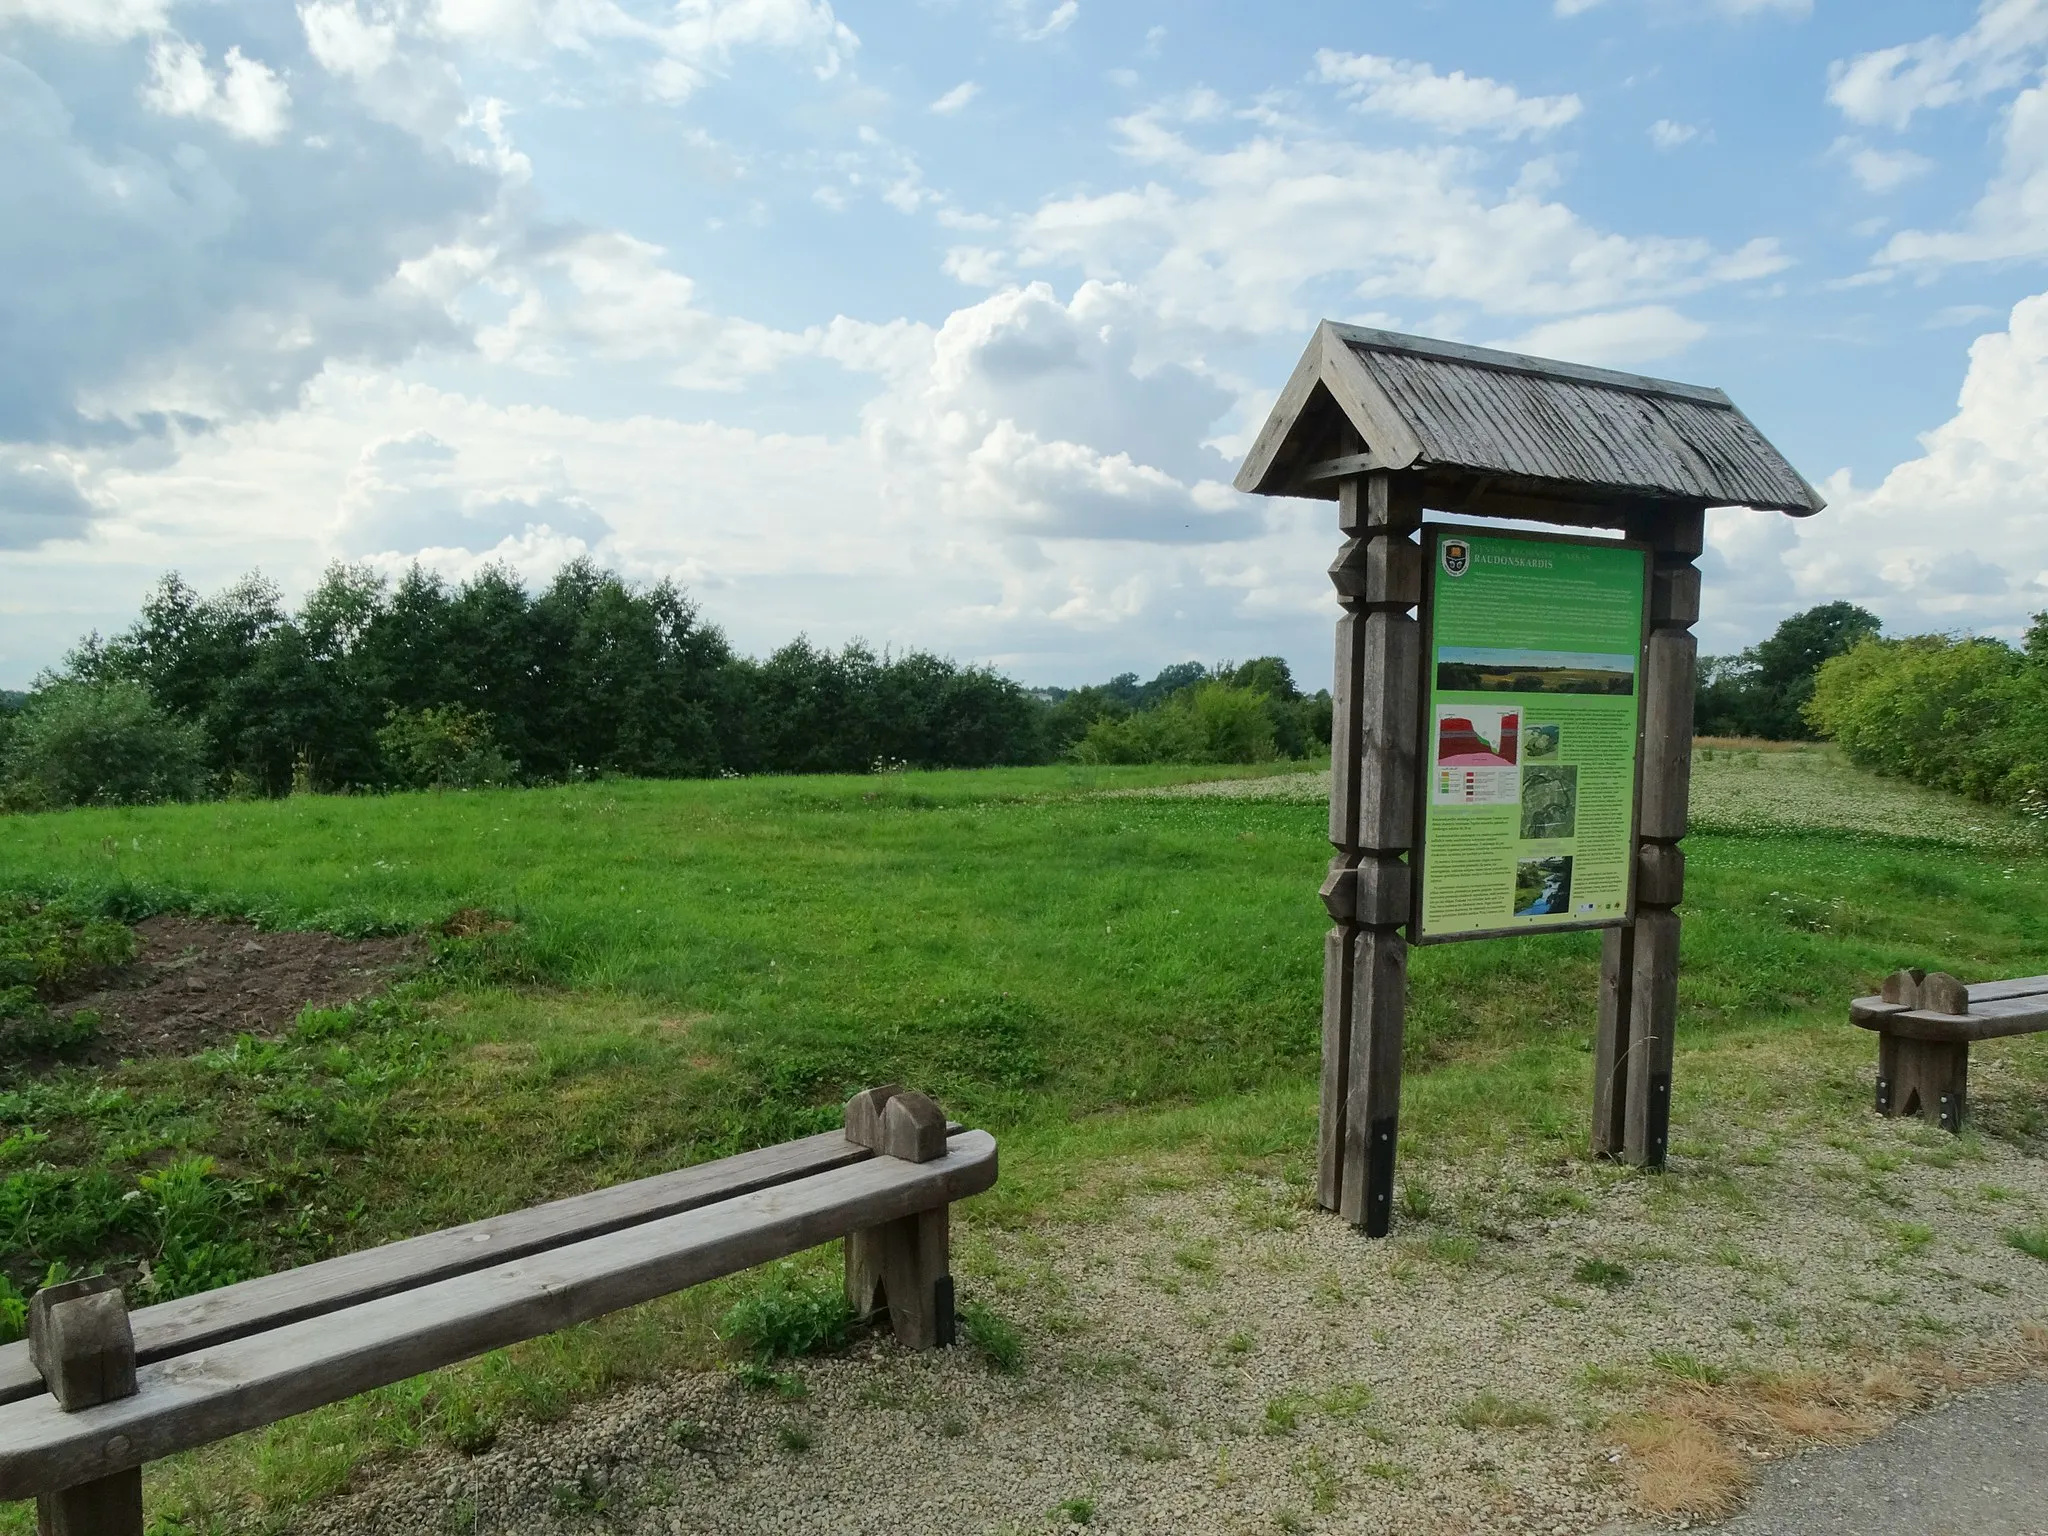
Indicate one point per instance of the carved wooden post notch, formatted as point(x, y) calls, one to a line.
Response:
point(1511, 741)
point(902, 1267)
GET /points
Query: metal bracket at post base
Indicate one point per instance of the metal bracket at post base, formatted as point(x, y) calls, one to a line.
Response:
point(1379, 1185)
point(1659, 1128)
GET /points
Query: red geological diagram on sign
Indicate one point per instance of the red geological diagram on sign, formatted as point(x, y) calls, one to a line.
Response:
point(1459, 744)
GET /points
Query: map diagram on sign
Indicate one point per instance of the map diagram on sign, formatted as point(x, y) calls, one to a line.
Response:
point(1478, 755)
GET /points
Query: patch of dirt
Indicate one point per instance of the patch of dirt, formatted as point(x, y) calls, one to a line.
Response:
point(196, 982)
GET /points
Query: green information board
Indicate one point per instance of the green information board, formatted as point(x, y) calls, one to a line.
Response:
point(1532, 705)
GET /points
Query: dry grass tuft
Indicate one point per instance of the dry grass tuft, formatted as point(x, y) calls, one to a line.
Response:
point(1692, 1448)
point(2034, 1342)
point(1682, 1466)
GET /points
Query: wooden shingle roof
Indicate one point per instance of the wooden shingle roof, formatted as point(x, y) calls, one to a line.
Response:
point(1500, 433)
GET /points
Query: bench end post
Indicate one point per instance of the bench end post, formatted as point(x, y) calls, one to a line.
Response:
point(81, 1342)
point(905, 1265)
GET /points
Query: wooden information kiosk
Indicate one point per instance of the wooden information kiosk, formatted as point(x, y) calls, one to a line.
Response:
point(1517, 707)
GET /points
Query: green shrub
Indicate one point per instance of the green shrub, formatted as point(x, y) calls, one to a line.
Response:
point(1212, 722)
point(446, 748)
point(790, 1313)
point(106, 743)
point(1960, 715)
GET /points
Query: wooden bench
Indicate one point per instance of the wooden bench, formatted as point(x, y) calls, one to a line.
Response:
point(96, 1392)
point(1925, 1023)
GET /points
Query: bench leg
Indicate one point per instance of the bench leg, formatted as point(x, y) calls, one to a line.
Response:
point(1929, 1078)
point(905, 1265)
point(108, 1506)
point(1887, 1075)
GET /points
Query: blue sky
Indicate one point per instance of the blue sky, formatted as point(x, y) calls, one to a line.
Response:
point(944, 322)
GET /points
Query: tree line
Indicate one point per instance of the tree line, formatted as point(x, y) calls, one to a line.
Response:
point(370, 685)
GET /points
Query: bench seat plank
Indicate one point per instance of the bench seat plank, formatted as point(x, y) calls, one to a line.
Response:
point(2018, 986)
point(212, 1393)
point(213, 1317)
point(1990, 1020)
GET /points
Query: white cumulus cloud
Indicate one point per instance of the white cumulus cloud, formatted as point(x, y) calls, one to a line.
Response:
point(1452, 103)
point(1884, 170)
point(1057, 20)
point(1952, 538)
point(1622, 336)
point(108, 20)
point(956, 98)
point(244, 96)
point(1244, 235)
point(1999, 50)
point(2010, 220)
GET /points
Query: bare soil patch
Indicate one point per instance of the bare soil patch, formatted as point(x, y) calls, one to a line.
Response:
point(196, 982)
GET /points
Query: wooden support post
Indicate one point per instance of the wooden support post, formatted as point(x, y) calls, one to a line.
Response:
point(1930, 1079)
point(1378, 577)
point(1639, 968)
point(81, 1343)
point(905, 1265)
point(1610, 1042)
point(1337, 962)
point(1379, 1008)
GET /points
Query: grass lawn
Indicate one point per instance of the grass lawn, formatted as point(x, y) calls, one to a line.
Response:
point(693, 968)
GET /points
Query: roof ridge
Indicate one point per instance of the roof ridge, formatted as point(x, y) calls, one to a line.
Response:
point(1520, 362)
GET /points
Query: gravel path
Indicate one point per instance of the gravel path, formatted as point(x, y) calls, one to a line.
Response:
point(1215, 1356)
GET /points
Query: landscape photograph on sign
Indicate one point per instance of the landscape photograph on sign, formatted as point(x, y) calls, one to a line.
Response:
point(1550, 801)
point(1487, 669)
point(1543, 887)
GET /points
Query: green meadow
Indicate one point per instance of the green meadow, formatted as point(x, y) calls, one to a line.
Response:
point(644, 974)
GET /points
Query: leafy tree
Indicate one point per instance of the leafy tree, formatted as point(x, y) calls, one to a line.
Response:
point(446, 748)
point(1764, 691)
point(108, 743)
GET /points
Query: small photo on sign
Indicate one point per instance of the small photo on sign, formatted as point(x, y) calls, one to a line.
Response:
point(1539, 743)
point(1543, 887)
point(1550, 801)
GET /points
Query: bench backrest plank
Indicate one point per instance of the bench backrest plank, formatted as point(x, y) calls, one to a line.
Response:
point(220, 1391)
point(193, 1322)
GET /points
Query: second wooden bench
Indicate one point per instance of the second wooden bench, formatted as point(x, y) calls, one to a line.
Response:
point(1925, 1024)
